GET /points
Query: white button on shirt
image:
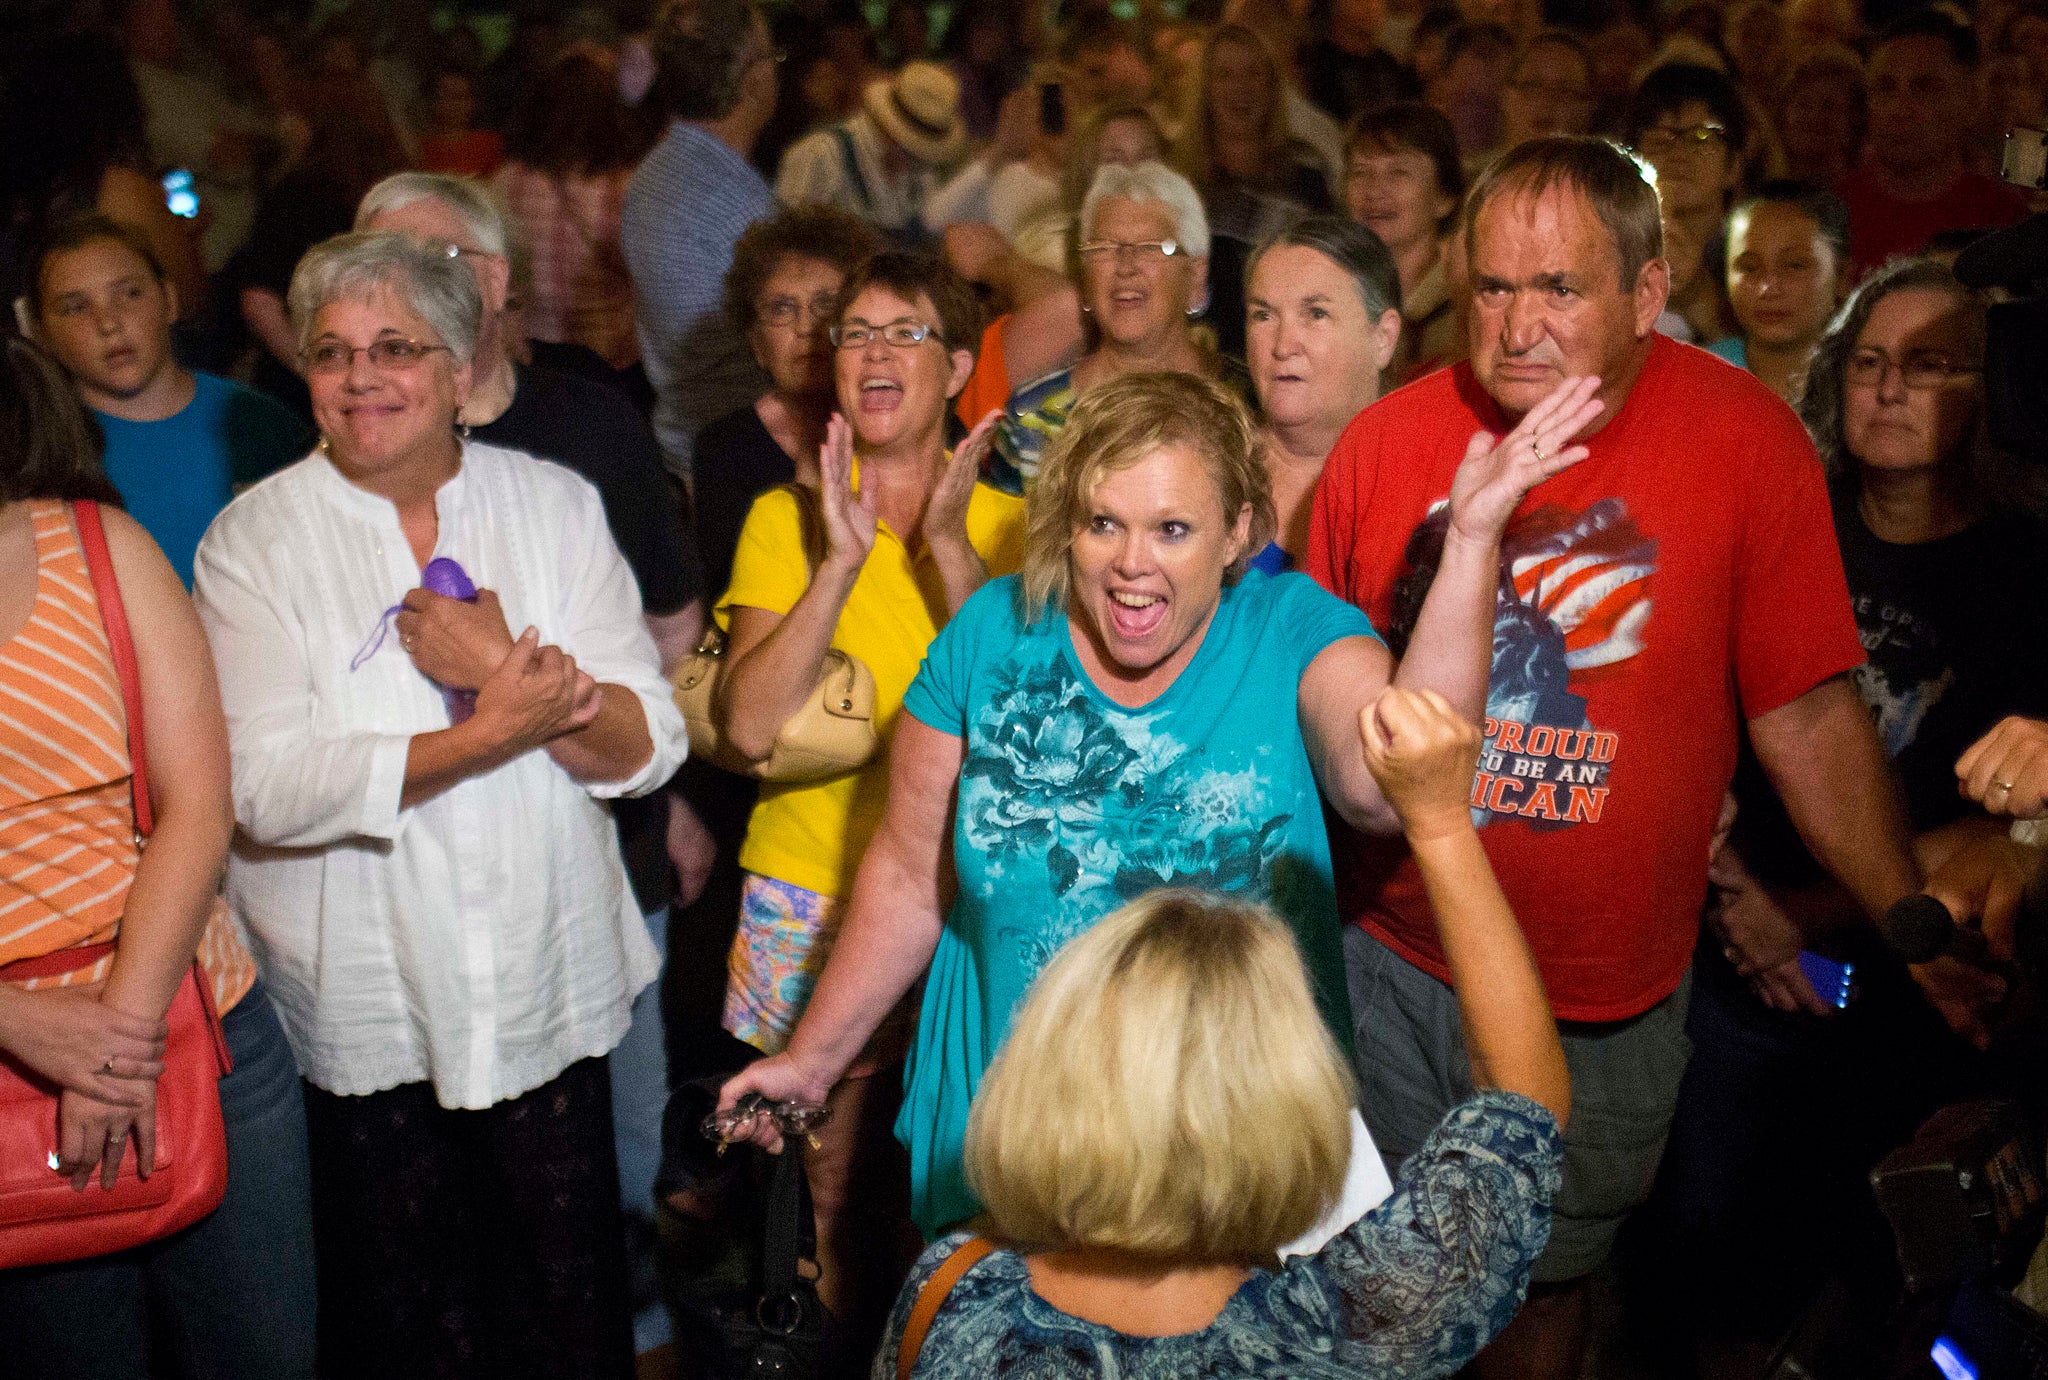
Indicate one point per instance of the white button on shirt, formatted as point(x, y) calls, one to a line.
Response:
point(487, 938)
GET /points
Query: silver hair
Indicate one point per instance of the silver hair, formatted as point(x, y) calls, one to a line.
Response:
point(1156, 183)
point(430, 281)
point(474, 204)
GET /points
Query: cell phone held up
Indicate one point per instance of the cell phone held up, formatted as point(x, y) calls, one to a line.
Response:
point(180, 195)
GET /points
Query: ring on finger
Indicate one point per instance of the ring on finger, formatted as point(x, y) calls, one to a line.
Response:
point(108, 1066)
point(1537, 451)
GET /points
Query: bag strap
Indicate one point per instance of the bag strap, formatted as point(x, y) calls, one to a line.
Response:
point(92, 540)
point(932, 1297)
point(850, 160)
point(782, 1243)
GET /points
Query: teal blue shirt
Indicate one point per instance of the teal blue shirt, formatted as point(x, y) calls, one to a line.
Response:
point(1732, 348)
point(1071, 805)
point(175, 475)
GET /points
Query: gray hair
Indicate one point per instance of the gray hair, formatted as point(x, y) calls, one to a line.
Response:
point(431, 282)
point(1351, 247)
point(470, 200)
point(1158, 184)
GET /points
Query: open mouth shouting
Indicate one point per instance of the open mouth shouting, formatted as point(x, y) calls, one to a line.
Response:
point(1135, 615)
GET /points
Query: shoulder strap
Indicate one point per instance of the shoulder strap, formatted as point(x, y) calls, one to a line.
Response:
point(932, 1297)
point(92, 540)
point(850, 158)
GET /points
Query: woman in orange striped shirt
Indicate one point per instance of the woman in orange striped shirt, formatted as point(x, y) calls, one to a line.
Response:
point(237, 1286)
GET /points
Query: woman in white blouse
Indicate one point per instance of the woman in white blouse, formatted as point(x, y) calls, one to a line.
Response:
point(429, 881)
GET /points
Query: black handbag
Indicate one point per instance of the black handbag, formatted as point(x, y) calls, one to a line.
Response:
point(741, 1305)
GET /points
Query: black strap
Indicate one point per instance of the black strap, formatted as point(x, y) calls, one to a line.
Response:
point(783, 1241)
point(853, 172)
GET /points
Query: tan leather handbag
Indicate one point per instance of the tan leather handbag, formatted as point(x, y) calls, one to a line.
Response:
point(834, 732)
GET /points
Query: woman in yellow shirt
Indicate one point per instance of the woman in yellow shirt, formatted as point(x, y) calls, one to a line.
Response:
point(907, 535)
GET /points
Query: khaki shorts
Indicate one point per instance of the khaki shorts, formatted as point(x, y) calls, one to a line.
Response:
point(1413, 1069)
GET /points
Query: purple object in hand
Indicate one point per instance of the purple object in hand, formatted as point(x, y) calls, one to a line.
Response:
point(444, 576)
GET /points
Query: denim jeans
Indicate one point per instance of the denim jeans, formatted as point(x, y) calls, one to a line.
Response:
point(639, 1072)
point(230, 1297)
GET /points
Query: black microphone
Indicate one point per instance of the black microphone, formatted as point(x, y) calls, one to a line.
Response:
point(1919, 929)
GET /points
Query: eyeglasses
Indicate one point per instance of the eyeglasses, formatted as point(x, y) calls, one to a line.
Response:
point(1659, 139)
point(1144, 251)
point(787, 311)
point(1920, 369)
point(854, 335)
point(392, 354)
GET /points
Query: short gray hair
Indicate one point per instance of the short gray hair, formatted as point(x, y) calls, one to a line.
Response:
point(472, 202)
point(352, 266)
point(1158, 184)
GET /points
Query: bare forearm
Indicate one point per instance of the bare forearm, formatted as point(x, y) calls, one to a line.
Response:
point(1822, 755)
point(1451, 649)
point(759, 692)
point(961, 571)
point(1510, 1034)
point(611, 747)
point(438, 760)
point(892, 927)
point(168, 905)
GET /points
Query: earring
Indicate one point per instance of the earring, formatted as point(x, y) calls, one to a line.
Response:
point(322, 447)
point(461, 427)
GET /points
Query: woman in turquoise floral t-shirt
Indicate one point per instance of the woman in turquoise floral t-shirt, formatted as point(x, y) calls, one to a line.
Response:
point(1135, 710)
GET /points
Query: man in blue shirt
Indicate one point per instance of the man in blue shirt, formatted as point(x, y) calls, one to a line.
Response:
point(178, 441)
point(689, 201)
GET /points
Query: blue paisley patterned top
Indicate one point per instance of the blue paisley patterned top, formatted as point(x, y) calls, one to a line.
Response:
point(1071, 805)
point(1413, 1289)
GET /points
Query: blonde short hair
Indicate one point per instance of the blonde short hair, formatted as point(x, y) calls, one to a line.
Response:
point(1168, 1090)
point(1114, 427)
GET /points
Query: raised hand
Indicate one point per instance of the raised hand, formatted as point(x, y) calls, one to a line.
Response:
point(850, 516)
point(1422, 753)
point(1494, 475)
point(945, 514)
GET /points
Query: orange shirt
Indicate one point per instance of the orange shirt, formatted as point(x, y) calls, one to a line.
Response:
point(67, 821)
point(988, 387)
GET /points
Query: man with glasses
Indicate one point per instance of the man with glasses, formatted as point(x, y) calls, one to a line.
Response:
point(1678, 584)
point(685, 209)
point(1917, 182)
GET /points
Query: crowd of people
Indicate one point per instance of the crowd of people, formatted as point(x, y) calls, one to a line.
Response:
point(1309, 613)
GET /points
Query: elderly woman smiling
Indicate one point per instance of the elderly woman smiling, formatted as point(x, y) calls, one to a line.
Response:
point(1144, 275)
point(432, 887)
point(1135, 710)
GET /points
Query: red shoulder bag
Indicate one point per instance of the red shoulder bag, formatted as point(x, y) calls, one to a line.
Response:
point(42, 1219)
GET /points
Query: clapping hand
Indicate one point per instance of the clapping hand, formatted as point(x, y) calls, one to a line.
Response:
point(1495, 475)
point(850, 515)
point(945, 514)
point(1422, 753)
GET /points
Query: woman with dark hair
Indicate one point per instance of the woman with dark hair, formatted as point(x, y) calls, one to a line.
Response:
point(75, 143)
point(1404, 181)
point(1793, 1093)
point(569, 153)
point(236, 1288)
point(1322, 323)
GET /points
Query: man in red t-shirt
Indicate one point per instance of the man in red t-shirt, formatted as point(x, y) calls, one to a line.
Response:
point(1918, 183)
point(1681, 579)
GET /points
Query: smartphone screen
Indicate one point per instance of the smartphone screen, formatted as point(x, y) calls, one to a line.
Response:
point(1834, 983)
point(179, 194)
point(1052, 108)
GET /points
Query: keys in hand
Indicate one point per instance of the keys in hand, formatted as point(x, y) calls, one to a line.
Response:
point(738, 1121)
